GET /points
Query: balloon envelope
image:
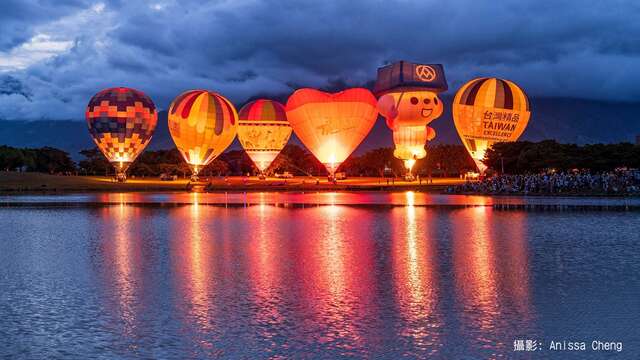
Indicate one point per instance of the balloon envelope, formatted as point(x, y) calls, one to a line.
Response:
point(407, 114)
point(489, 110)
point(121, 122)
point(409, 142)
point(202, 124)
point(331, 126)
point(263, 131)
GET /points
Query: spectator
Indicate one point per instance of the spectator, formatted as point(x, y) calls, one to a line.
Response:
point(557, 183)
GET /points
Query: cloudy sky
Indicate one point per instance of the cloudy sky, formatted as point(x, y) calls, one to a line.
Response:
point(55, 54)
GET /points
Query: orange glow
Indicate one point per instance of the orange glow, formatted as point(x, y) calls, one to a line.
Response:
point(331, 126)
point(202, 125)
point(338, 277)
point(265, 271)
point(515, 264)
point(125, 271)
point(474, 263)
point(408, 113)
point(193, 254)
point(263, 131)
point(123, 257)
point(415, 274)
point(487, 111)
point(121, 122)
point(491, 275)
point(408, 164)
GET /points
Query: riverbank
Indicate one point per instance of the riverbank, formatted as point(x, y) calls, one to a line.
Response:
point(15, 182)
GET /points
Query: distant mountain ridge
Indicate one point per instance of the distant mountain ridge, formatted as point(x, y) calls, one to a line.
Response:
point(566, 120)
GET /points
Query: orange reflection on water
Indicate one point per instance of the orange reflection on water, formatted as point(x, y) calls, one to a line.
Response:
point(122, 258)
point(515, 265)
point(338, 275)
point(265, 272)
point(474, 264)
point(491, 275)
point(193, 253)
point(415, 275)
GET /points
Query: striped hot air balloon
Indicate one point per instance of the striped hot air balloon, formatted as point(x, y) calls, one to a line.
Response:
point(263, 131)
point(202, 124)
point(121, 122)
point(487, 111)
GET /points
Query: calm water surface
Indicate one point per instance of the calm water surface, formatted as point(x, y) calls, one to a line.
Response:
point(193, 281)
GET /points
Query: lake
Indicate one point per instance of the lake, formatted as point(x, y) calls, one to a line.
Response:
point(318, 275)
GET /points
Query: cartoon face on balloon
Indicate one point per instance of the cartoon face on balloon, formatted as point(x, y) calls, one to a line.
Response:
point(410, 108)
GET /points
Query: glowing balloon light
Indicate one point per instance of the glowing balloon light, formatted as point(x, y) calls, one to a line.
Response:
point(409, 102)
point(409, 142)
point(331, 126)
point(202, 124)
point(121, 122)
point(263, 131)
point(487, 111)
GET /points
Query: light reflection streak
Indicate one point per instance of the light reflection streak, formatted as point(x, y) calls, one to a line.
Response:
point(265, 274)
point(491, 275)
point(474, 267)
point(515, 264)
point(125, 269)
point(415, 276)
point(193, 253)
point(338, 277)
point(122, 259)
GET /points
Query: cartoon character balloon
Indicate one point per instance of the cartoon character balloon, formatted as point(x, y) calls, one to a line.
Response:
point(121, 121)
point(332, 125)
point(263, 131)
point(202, 124)
point(408, 114)
point(409, 102)
point(489, 110)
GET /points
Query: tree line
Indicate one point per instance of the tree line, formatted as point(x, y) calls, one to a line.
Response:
point(442, 160)
point(46, 160)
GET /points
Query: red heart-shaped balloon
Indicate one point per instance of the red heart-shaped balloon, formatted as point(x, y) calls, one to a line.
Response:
point(331, 126)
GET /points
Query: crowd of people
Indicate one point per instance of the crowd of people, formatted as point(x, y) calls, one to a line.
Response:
point(578, 182)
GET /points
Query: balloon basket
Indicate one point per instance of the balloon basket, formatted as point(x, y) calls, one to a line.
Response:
point(121, 177)
point(331, 171)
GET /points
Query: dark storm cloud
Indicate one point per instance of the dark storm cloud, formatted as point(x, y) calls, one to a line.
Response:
point(12, 86)
point(18, 18)
point(241, 48)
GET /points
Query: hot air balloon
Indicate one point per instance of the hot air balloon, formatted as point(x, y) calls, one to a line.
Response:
point(489, 110)
point(263, 131)
point(331, 126)
point(409, 102)
point(202, 124)
point(121, 121)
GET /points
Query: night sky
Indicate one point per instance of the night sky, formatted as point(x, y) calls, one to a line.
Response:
point(54, 55)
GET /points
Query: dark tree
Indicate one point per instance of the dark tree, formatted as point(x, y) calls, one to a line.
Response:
point(94, 163)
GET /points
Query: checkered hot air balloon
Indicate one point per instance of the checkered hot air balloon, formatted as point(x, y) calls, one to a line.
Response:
point(263, 131)
point(121, 121)
point(202, 124)
point(487, 111)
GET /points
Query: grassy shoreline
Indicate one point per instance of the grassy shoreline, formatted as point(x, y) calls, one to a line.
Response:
point(38, 183)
